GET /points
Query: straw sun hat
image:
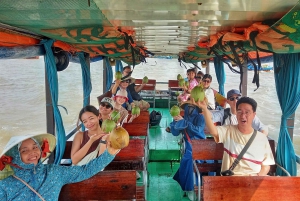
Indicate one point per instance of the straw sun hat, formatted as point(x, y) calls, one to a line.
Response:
point(7, 142)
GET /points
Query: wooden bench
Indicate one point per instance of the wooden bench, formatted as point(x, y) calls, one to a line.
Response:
point(132, 157)
point(106, 185)
point(208, 149)
point(150, 86)
point(243, 188)
point(144, 117)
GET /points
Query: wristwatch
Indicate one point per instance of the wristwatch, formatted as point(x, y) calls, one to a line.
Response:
point(103, 141)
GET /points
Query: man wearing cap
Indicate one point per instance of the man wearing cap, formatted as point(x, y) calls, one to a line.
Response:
point(228, 116)
point(134, 91)
point(105, 109)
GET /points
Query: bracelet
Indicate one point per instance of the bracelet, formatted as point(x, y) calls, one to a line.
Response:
point(103, 141)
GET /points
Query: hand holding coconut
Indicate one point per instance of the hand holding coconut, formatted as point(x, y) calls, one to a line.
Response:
point(118, 139)
point(96, 136)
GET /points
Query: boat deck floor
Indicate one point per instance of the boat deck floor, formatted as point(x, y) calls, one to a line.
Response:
point(164, 162)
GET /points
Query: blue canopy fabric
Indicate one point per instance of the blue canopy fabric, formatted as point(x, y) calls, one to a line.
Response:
point(109, 74)
point(287, 80)
point(86, 79)
point(220, 73)
point(51, 73)
point(119, 66)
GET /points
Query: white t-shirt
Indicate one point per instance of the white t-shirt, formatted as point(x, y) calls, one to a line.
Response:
point(259, 153)
point(209, 94)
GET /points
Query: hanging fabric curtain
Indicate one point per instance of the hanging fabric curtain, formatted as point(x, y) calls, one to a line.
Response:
point(86, 79)
point(109, 74)
point(287, 80)
point(220, 73)
point(119, 66)
point(51, 73)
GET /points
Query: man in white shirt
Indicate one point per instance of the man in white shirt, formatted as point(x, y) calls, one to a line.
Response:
point(258, 157)
point(228, 116)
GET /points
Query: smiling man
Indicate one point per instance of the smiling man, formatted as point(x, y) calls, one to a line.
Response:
point(258, 157)
point(228, 116)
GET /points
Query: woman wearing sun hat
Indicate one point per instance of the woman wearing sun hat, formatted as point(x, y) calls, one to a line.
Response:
point(32, 180)
point(192, 127)
point(123, 84)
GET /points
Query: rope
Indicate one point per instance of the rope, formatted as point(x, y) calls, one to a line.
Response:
point(51, 73)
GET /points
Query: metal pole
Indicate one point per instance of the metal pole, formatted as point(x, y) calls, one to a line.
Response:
point(207, 70)
point(104, 76)
point(244, 78)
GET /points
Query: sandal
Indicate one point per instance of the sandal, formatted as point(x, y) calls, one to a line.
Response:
point(168, 129)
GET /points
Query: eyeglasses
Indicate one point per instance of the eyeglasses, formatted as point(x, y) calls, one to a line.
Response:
point(208, 81)
point(234, 98)
point(105, 105)
point(240, 113)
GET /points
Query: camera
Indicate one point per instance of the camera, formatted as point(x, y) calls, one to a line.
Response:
point(227, 173)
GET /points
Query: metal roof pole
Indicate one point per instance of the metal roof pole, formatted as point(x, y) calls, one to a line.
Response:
point(244, 78)
point(88, 63)
point(207, 69)
point(104, 75)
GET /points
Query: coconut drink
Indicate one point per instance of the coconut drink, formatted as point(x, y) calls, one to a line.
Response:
point(118, 75)
point(108, 125)
point(136, 110)
point(198, 93)
point(119, 138)
point(145, 80)
point(179, 77)
point(181, 82)
point(115, 116)
point(174, 111)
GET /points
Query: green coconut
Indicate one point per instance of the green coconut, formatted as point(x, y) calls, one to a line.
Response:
point(175, 111)
point(118, 75)
point(108, 125)
point(181, 82)
point(136, 110)
point(115, 116)
point(145, 80)
point(187, 84)
point(179, 77)
point(198, 93)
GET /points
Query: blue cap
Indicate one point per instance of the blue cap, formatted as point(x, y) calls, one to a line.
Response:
point(233, 92)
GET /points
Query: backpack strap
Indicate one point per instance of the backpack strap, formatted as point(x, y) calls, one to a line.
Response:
point(226, 115)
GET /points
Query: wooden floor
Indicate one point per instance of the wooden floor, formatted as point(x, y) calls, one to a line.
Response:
point(164, 162)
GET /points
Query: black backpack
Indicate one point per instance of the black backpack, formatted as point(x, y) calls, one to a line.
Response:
point(226, 115)
point(155, 118)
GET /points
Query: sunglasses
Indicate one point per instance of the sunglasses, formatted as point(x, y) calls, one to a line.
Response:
point(234, 98)
point(208, 81)
point(126, 81)
point(107, 106)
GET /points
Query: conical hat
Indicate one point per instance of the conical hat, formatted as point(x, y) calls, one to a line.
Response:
point(7, 142)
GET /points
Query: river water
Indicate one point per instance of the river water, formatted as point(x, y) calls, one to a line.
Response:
point(22, 93)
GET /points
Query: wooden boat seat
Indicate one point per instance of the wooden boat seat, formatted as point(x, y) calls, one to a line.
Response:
point(144, 117)
point(244, 188)
point(208, 149)
point(133, 157)
point(150, 86)
point(106, 185)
